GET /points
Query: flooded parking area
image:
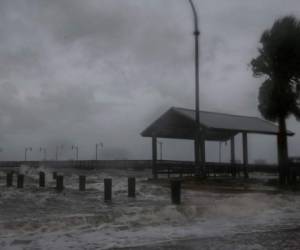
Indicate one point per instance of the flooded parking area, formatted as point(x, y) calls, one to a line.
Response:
point(42, 218)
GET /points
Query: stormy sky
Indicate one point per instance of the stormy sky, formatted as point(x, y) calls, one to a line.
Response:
point(85, 72)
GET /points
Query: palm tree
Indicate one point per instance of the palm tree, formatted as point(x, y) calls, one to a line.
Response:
point(278, 63)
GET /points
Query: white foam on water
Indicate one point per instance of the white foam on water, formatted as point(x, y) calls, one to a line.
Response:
point(36, 218)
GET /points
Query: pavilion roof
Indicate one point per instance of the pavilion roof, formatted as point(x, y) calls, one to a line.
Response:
point(180, 123)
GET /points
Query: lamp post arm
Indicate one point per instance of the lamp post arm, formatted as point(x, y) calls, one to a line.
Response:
point(195, 15)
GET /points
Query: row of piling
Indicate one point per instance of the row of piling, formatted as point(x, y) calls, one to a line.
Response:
point(175, 185)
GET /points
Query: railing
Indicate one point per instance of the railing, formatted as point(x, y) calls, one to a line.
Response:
point(86, 164)
point(184, 167)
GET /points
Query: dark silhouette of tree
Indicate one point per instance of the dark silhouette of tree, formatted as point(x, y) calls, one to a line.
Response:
point(278, 63)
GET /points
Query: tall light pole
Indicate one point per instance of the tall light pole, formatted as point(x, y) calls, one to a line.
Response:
point(75, 147)
point(44, 153)
point(1, 150)
point(27, 149)
point(97, 145)
point(197, 108)
point(57, 151)
point(220, 152)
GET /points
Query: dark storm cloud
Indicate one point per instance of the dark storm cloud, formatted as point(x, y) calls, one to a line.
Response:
point(80, 72)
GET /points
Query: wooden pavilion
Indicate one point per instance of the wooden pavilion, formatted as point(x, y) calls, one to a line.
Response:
point(179, 123)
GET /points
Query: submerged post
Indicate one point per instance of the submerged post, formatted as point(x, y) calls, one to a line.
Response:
point(107, 190)
point(42, 179)
point(131, 187)
point(54, 175)
point(20, 181)
point(59, 183)
point(82, 181)
point(9, 179)
point(176, 191)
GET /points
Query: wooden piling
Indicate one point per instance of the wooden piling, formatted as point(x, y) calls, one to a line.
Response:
point(176, 191)
point(82, 181)
point(54, 175)
point(107, 189)
point(234, 170)
point(131, 187)
point(20, 181)
point(59, 183)
point(42, 179)
point(9, 179)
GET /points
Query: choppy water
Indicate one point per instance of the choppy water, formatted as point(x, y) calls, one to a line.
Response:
point(33, 218)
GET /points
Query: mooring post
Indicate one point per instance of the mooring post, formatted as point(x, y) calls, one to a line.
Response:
point(20, 181)
point(59, 183)
point(131, 187)
point(54, 175)
point(82, 180)
point(42, 179)
point(176, 191)
point(107, 189)
point(9, 179)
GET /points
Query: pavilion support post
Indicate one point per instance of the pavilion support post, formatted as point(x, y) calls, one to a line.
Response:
point(232, 156)
point(154, 157)
point(197, 154)
point(245, 155)
point(202, 154)
point(232, 150)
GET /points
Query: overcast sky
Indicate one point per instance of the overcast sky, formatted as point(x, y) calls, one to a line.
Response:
point(82, 72)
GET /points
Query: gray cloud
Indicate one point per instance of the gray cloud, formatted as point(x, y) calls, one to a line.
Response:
point(80, 72)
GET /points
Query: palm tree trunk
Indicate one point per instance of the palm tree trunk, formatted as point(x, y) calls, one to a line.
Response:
point(282, 151)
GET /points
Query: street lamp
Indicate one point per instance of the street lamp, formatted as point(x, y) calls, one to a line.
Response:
point(44, 152)
point(75, 147)
point(197, 108)
point(220, 151)
point(160, 143)
point(97, 145)
point(27, 149)
point(1, 150)
point(57, 151)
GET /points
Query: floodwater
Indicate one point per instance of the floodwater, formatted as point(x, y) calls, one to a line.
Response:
point(40, 218)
